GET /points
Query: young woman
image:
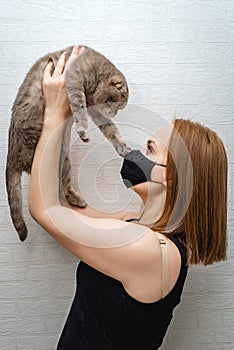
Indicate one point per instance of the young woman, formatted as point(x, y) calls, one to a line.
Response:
point(133, 265)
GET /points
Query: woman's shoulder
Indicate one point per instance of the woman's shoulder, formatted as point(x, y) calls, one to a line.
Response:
point(152, 277)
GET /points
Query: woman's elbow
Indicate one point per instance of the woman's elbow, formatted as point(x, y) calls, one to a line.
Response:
point(36, 210)
point(35, 214)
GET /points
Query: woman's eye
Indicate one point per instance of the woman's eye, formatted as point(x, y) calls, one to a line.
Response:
point(149, 149)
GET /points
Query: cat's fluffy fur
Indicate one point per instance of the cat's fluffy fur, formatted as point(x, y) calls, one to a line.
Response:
point(92, 81)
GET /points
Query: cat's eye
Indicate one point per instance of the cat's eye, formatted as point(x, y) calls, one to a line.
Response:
point(120, 88)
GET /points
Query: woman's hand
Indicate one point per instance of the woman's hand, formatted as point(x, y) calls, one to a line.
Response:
point(57, 105)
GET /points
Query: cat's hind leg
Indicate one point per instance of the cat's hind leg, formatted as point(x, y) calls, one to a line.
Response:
point(66, 190)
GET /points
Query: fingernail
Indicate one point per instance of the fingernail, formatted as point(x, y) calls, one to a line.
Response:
point(76, 49)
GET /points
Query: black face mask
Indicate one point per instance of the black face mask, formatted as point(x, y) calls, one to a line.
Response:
point(137, 168)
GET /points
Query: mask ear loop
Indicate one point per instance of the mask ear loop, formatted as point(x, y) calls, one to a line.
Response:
point(159, 164)
point(164, 183)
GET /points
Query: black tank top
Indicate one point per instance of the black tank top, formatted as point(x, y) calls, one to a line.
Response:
point(103, 316)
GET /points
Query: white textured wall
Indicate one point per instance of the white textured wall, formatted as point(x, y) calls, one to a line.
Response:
point(176, 55)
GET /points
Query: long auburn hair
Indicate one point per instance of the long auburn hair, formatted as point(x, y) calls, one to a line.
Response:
point(196, 199)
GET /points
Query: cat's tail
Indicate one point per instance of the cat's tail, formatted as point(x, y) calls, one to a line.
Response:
point(13, 184)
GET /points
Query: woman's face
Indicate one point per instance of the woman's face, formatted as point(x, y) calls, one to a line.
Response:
point(155, 149)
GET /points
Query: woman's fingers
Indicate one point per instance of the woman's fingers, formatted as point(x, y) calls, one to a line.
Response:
point(60, 66)
point(74, 54)
point(76, 51)
point(47, 71)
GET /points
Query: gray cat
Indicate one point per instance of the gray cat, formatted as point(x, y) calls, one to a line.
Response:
point(92, 81)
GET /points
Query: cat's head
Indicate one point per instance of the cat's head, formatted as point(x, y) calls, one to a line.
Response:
point(111, 95)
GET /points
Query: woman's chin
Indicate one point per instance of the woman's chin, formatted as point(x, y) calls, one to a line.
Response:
point(141, 189)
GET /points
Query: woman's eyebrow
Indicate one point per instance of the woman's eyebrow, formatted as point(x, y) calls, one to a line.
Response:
point(151, 141)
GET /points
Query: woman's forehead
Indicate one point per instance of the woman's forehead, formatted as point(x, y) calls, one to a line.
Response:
point(162, 134)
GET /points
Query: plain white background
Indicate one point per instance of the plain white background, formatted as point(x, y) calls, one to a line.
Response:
point(177, 56)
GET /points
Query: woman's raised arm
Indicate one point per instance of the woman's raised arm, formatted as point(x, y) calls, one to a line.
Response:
point(99, 214)
point(114, 247)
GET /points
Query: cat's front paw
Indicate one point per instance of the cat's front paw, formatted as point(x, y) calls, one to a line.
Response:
point(83, 135)
point(123, 149)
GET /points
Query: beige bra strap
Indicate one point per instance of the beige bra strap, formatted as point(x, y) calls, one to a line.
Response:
point(165, 266)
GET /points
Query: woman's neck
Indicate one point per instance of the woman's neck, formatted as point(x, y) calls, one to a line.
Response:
point(153, 203)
